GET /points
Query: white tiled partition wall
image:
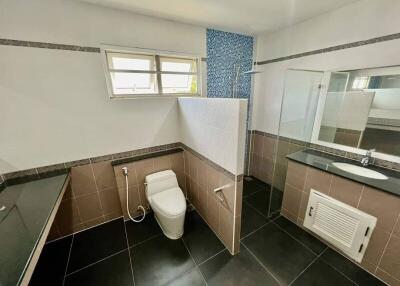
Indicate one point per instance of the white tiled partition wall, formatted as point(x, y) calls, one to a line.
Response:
point(215, 128)
point(214, 132)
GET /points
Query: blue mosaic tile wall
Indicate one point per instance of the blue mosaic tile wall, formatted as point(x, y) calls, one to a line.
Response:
point(225, 51)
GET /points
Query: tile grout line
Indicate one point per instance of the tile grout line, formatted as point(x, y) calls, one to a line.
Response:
point(213, 256)
point(144, 241)
point(129, 253)
point(292, 236)
point(361, 194)
point(196, 265)
point(82, 230)
point(261, 264)
point(69, 256)
point(252, 232)
point(387, 243)
point(305, 269)
point(347, 259)
point(98, 261)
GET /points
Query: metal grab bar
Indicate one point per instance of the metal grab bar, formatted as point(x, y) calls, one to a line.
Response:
point(218, 190)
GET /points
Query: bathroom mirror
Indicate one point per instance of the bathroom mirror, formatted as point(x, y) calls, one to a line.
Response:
point(361, 109)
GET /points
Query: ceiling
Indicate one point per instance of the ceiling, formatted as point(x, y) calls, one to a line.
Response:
point(242, 16)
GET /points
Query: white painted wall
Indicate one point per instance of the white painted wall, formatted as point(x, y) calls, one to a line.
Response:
point(54, 106)
point(359, 21)
point(215, 128)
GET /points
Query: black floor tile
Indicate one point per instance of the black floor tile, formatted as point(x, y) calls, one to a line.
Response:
point(50, 269)
point(349, 269)
point(320, 273)
point(301, 235)
point(139, 232)
point(115, 270)
point(253, 186)
point(159, 261)
point(260, 201)
point(283, 256)
point(97, 243)
point(241, 269)
point(276, 202)
point(192, 278)
point(251, 219)
point(199, 238)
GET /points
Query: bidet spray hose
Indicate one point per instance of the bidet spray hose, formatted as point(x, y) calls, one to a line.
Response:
point(125, 172)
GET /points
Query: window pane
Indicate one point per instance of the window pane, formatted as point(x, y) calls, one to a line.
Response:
point(178, 65)
point(131, 62)
point(176, 83)
point(133, 83)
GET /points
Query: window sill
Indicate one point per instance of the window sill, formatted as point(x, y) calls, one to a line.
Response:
point(117, 97)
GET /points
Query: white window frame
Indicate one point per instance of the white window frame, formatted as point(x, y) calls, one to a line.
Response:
point(127, 50)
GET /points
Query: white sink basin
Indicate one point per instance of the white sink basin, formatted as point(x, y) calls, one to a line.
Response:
point(360, 171)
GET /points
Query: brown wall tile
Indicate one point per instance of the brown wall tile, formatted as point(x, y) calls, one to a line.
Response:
point(67, 217)
point(143, 168)
point(317, 180)
point(258, 144)
point(390, 262)
point(390, 280)
point(68, 194)
point(346, 191)
point(110, 201)
point(396, 230)
point(89, 206)
point(177, 162)
point(291, 200)
point(104, 175)
point(225, 231)
point(162, 163)
point(296, 175)
point(268, 148)
point(303, 205)
point(82, 180)
point(382, 205)
point(376, 245)
point(212, 212)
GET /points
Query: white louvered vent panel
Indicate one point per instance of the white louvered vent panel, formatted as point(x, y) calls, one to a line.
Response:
point(343, 226)
point(335, 223)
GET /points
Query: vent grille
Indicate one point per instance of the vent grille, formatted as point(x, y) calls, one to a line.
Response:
point(336, 224)
point(343, 226)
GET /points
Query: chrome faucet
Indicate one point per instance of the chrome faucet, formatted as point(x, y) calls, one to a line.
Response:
point(365, 161)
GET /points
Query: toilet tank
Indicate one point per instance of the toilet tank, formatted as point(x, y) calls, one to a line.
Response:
point(160, 181)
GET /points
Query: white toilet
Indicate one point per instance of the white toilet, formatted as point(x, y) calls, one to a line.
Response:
point(167, 201)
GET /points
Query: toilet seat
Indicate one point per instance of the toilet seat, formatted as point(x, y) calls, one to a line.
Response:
point(170, 202)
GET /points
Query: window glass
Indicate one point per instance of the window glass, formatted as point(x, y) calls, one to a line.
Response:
point(139, 74)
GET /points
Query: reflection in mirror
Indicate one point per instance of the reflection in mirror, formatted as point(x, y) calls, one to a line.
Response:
point(362, 110)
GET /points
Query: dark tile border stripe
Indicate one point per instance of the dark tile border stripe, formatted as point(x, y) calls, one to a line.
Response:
point(52, 46)
point(393, 166)
point(28, 175)
point(234, 177)
point(333, 48)
point(145, 156)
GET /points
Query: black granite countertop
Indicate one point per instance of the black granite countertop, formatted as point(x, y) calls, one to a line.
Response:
point(323, 161)
point(26, 210)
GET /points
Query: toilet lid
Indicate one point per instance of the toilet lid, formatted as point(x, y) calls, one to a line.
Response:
point(171, 201)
